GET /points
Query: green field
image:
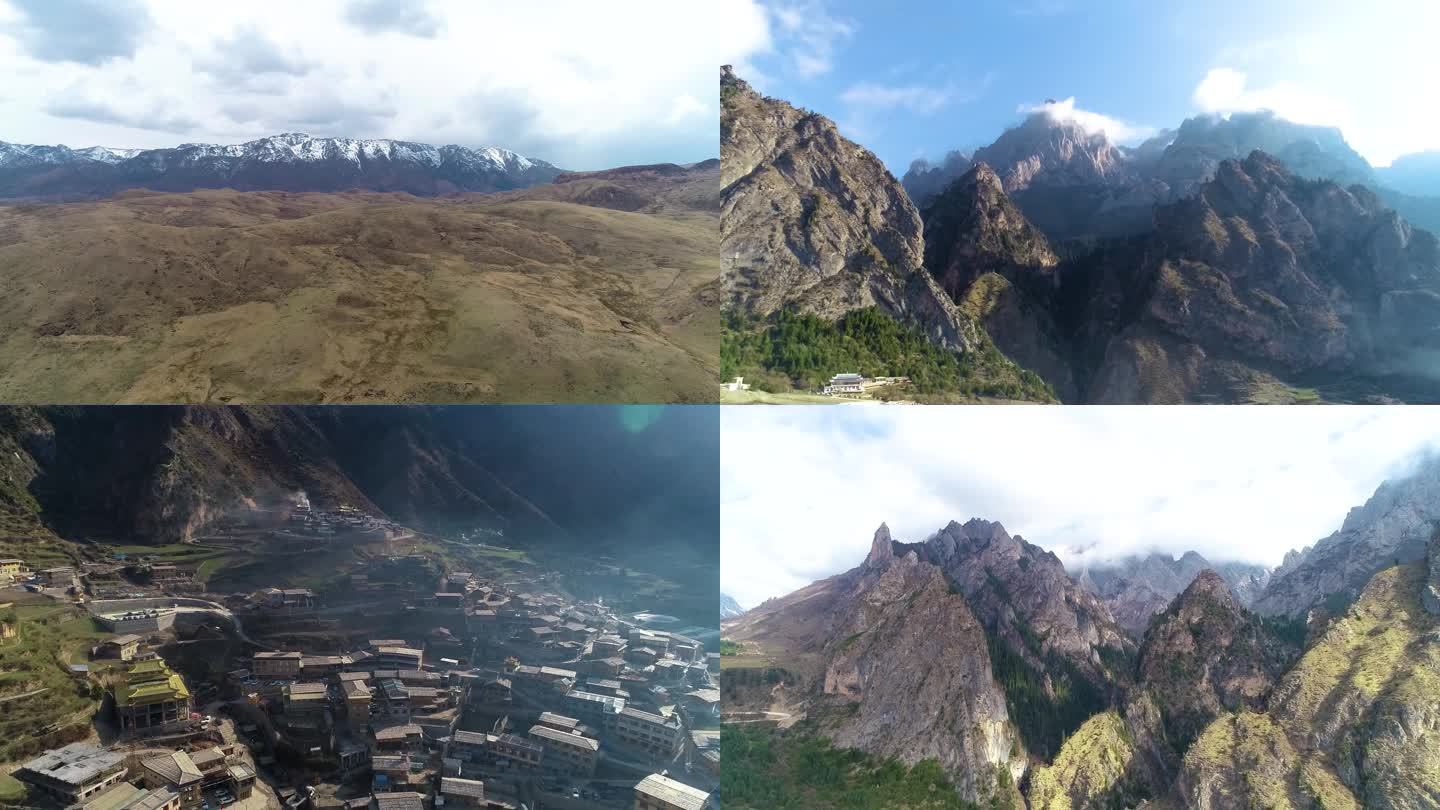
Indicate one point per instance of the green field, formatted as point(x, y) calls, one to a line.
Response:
point(11, 789)
point(51, 636)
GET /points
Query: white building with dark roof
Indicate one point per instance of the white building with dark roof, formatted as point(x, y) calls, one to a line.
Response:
point(73, 773)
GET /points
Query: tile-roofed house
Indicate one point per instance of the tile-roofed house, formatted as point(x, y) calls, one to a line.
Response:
point(470, 792)
point(547, 733)
point(558, 721)
point(656, 792)
point(207, 759)
point(398, 801)
point(390, 736)
point(125, 796)
point(176, 771)
point(176, 768)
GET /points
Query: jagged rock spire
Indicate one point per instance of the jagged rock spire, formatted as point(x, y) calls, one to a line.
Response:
point(882, 548)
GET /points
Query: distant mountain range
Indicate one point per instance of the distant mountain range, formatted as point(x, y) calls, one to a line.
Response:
point(287, 162)
point(1240, 259)
point(729, 608)
point(977, 650)
point(1075, 183)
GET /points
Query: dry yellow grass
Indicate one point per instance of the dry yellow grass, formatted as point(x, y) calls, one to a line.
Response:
point(276, 297)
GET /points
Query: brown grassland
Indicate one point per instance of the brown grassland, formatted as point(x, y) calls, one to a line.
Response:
point(553, 294)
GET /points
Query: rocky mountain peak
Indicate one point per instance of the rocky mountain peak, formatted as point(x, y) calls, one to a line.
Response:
point(973, 228)
point(975, 533)
point(981, 176)
point(1396, 524)
point(1212, 589)
point(891, 661)
point(882, 548)
point(1205, 655)
point(1049, 150)
point(1051, 627)
point(924, 180)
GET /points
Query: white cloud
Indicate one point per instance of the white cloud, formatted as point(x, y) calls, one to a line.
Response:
point(1225, 90)
point(1092, 122)
point(571, 81)
point(802, 35)
point(917, 98)
point(815, 34)
point(802, 489)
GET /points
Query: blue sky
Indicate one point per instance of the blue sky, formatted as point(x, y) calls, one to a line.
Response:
point(915, 79)
point(802, 489)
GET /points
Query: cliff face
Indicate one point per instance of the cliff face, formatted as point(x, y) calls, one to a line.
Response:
point(941, 703)
point(1000, 270)
point(894, 663)
point(813, 221)
point(1023, 594)
point(1394, 525)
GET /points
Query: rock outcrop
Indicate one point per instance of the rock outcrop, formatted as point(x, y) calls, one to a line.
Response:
point(892, 661)
point(943, 704)
point(812, 221)
point(1356, 723)
point(1000, 270)
point(1205, 656)
point(1395, 525)
point(1096, 768)
point(1024, 595)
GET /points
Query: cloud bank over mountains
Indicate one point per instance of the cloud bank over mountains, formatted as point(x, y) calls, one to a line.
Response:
point(572, 82)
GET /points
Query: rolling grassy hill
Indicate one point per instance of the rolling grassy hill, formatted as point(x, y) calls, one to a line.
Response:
point(361, 297)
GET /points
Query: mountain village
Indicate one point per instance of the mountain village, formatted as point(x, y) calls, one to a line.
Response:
point(440, 689)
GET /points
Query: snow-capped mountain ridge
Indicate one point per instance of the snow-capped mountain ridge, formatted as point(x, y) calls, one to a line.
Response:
point(290, 161)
